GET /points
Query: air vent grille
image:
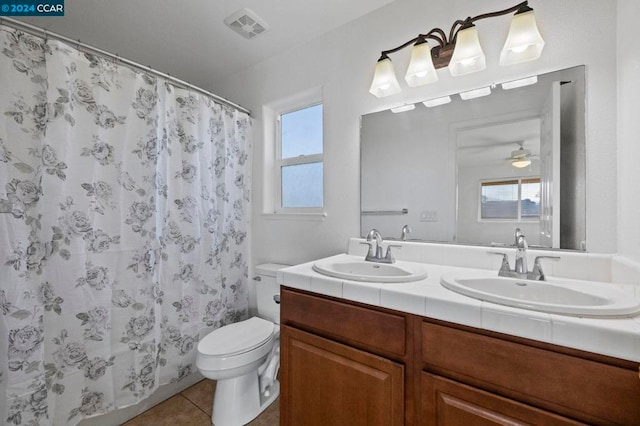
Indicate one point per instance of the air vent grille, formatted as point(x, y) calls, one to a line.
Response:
point(246, 23)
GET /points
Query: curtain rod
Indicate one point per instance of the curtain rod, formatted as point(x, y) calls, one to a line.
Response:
point(38, 31)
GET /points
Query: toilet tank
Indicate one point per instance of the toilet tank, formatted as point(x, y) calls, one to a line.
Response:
point(266, 288)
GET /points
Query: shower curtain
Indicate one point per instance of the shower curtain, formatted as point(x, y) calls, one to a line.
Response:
point(124, 237)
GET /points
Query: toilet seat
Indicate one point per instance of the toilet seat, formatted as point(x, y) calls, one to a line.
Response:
point(236, 338)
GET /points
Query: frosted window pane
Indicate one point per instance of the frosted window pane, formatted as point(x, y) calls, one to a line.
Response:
point(302, 185)
point(531, 200)
point(302, 132)
point(499, 201)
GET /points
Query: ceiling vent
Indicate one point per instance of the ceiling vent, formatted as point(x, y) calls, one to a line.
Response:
point(246, 23)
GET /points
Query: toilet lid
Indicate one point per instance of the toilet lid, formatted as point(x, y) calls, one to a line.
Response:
point(237, 337)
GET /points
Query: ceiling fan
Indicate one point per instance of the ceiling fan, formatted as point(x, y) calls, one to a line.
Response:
point(521, 157)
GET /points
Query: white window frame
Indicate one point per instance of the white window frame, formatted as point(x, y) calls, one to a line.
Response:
point(271, 174)
point(302, 159)
point(519, 219)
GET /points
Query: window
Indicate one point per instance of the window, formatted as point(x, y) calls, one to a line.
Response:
point(511, 199)
point(299, 160)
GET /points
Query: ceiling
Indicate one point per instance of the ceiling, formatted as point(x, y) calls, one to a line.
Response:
point(492, 144)
point(189, 40)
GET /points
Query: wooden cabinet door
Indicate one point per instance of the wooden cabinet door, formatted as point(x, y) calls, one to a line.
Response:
point(449, 403)
point(326, 383)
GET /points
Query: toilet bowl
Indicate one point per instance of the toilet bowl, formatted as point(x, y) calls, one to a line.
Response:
point(244, 357)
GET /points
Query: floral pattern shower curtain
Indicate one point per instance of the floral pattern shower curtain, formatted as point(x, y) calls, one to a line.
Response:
point(125, 239)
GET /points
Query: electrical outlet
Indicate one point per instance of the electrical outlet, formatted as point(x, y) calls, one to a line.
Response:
point(429, 216)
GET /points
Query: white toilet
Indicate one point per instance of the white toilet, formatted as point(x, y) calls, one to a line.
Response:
point(244, 357)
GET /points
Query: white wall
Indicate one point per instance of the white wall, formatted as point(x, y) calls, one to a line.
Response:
point(628, 130)
point(577, 32)
point(408, 163)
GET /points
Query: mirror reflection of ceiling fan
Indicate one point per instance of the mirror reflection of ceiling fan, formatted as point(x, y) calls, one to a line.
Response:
point(521, 157)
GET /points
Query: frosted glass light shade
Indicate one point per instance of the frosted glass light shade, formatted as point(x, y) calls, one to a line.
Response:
point(520, 163)
point(384, 81)
point(524, 42)
point(467, 56)
point(421, 70)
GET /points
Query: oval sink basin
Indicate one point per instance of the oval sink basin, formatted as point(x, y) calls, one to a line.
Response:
point(570, 297)
point(357, 269)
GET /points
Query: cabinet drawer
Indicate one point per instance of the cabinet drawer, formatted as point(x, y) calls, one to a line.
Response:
point(368, 328)
point(446, 402)
point(593, 392)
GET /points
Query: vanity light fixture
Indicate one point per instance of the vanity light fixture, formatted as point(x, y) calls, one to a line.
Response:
point(476, 93)
point(403, 108)
point(460, 51)
point(520, 83)
point(437, 101)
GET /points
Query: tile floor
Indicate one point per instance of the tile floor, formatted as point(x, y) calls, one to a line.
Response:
point(192, 407)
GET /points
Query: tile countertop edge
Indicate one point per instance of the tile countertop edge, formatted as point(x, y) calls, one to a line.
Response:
point(619, 337)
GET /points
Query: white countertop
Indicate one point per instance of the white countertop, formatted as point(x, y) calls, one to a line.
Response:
point(617, 337)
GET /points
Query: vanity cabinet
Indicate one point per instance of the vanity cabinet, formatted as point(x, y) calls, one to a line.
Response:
point(325, 378)
point(447, 402)
point(342, 364)
point(347, 363)
point(586, 387)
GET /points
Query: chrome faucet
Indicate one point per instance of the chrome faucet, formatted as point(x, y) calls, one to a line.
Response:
point(521, 270)
point(521, 253)
point(374, 238)
point(405, 231)
point(374, 234)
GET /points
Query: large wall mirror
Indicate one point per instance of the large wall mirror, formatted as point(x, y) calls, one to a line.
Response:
point(471, 171)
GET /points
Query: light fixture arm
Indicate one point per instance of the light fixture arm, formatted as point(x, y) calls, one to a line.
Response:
point(447, 43)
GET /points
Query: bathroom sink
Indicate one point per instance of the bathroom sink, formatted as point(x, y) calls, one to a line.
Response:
point(564, 297)
point(357, 269)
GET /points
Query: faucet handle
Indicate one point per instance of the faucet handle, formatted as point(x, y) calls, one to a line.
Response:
point(370, 253)
point(537, 267)
point(389, 255)
point(505, 260)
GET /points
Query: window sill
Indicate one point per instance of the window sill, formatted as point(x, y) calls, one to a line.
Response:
point(311, 217)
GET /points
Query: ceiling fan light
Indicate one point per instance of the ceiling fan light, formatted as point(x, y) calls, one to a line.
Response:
point(520, 163)
point(384, 81)
point(524, 42)
point(421, 70)
point(467, 56)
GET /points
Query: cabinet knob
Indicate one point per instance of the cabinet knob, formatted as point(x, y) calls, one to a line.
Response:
point(257, 278)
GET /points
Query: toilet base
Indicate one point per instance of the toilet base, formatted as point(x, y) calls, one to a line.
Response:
point(237, 401)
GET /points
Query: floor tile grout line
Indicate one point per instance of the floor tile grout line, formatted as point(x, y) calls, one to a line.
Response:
point(162, 403)
point(194, 403)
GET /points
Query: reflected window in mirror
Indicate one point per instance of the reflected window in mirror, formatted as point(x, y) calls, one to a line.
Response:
point(512, 200)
